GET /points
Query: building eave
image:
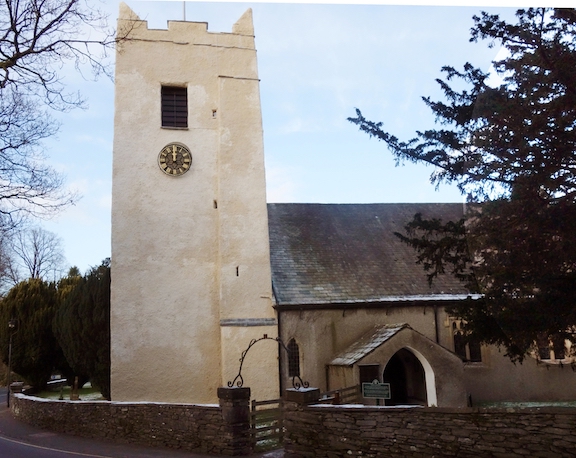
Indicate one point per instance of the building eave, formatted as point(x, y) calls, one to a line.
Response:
point(383, 302)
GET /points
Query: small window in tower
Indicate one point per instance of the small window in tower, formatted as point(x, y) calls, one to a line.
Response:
point(293, 359)
point(174, 106)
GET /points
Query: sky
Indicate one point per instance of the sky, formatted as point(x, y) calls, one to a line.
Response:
point(317, 63)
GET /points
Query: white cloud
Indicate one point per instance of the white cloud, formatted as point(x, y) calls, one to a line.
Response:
point(280, 187)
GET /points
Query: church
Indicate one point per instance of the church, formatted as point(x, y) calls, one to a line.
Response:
point(203, 267)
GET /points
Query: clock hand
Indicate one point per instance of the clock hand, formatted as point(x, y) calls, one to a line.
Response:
point(174, 153)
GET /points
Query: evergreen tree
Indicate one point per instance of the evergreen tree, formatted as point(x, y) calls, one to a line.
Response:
point(68, 283)
point(35, 351)
point(64, 287)
point(510, 148)
point(82, 327)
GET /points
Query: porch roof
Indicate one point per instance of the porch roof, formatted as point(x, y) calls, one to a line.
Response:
point(367, 344)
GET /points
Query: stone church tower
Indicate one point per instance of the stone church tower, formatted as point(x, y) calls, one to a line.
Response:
point(191, 284)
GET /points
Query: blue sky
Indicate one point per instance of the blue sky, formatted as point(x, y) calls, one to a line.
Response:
point(317, 62)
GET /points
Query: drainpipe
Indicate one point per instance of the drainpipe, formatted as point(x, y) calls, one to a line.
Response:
point(436, 324)
point(280, 354)
point(280, 349)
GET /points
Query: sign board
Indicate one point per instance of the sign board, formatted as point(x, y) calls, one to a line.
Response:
point(376, 390)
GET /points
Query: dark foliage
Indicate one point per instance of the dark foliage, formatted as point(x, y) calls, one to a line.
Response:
point(35, 351)
point(511, 149)
point(82, 327)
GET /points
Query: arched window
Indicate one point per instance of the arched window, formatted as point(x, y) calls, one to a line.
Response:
point(543, 344)
point(459, 342)
point(465, 346)
point(559, 346)
point(552, 347)
point(293, 359)
point(474, 350)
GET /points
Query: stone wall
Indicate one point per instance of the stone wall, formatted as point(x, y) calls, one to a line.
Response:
point(338, 431)
point(314, 430)
point(212, 429)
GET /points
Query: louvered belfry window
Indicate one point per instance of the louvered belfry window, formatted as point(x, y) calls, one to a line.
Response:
point(174, 106)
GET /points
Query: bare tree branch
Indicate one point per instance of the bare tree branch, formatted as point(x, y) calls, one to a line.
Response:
point(39, 36)
point(37, 39)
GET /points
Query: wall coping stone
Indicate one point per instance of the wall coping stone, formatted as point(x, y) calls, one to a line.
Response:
point(463, 410)
point(104, 401)
point(233, 393)
point(302, 395)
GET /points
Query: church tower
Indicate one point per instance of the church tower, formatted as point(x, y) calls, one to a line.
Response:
point(191, 282)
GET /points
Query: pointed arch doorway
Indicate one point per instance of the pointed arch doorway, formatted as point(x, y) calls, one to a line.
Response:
point(407, 378)
point(420, 371)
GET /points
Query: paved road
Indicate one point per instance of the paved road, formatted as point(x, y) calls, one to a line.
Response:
point(19, 440)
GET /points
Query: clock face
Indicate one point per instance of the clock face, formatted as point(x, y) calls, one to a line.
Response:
point(175, 159)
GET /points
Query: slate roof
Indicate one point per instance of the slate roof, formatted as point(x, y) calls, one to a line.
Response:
point(348, 253)
point(367, 344)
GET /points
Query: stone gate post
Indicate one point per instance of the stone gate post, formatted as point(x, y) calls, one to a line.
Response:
point(235, 405)
point(295, 400)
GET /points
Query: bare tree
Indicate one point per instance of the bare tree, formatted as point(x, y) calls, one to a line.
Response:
point(28, 185)
point(38, 36)
point(37, 39)
point(6, 264)
point(38, 254)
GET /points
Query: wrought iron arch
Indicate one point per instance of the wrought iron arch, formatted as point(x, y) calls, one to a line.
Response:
point(238, 381)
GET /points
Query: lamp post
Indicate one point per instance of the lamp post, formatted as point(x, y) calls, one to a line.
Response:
point(11, 326)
